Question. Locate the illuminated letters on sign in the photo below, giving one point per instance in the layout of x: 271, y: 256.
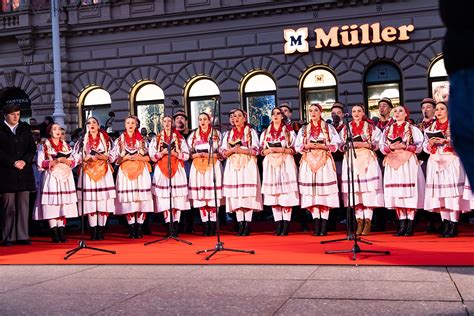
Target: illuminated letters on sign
x: 346, y: 35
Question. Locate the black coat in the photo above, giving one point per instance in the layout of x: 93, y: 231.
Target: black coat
x: 12, y: 148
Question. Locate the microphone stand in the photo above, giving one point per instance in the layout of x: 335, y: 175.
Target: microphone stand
x: 351, y: 220
x: 350, y: 217
x: 219, y: 245
x: 82, y: 241
x: 172, y: 232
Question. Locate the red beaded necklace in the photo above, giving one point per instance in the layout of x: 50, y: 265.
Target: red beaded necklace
x: 94, y: 142
x: 275, y: 133
x: 442, y: 126
x: 204, y: 135
x: 315, y: 129
x: 357, y: 129
x: 238, y: 134
x: 130, y: 141
x: 399, y: 130
x: 59, y: 147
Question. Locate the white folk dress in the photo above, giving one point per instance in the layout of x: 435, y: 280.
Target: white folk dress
x: 179, y: 181
x: 404, y: 183
x: 58, y: 195
x: 242, y: 188
x: 368, y: 185
x: 201, y: 184
x: 99, y: 193
x: 280, y: 175
x: 133, y: 183
x: 445, y: 176
x: 317, y: 174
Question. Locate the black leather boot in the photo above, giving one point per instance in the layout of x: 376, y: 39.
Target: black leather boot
x: 246, y: 231
x: 100, y: 233
x: 146, y: 226
x: 241, y: 228
x: 317, y: 227
x: 409, y: 230
x: 402, y: 227
x: 453, y: 229
x: 138, y: 231
x: 212, y: 229
x: 205, y: 231
x: 94, y: 233
x: 324, y: 227
x: 445, y: 228
x: 62, y: 238
x: 278, y: 228
x: 431, y: 228
x: 131, y: 231
x: 55, y: 235
x: 284, y: 231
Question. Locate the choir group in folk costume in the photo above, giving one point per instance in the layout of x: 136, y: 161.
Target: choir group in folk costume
x: 396, y: 182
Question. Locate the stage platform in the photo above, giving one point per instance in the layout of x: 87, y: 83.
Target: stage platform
x: 296, y: 248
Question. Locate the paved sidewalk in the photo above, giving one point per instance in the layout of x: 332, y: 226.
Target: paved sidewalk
x: 236, y: 290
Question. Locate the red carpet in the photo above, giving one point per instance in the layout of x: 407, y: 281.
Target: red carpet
x: 297, y: 248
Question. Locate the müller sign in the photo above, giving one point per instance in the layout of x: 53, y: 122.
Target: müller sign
x: 346, y: 35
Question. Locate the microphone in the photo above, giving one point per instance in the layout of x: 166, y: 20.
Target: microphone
x: 328, y: 121
x: 375, y: 119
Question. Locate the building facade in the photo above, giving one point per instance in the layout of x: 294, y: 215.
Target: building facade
x: 152, y: 57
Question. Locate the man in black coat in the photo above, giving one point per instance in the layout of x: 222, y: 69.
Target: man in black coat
x: 17, y: 149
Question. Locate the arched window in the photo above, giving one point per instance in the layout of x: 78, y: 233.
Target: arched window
x: 259, y: 96
x: 16, y: 95
x: 382, y: 80
x: 201, y: 96
x: 438, y: 81
x: 149, y: 104
x: 318, y: 86
x: 97, y: 103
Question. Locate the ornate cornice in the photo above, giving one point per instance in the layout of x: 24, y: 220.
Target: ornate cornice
x: 203, y: 16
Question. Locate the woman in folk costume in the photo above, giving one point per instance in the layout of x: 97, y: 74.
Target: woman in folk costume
x: 368, y: 187
x: 317, y: 174
x: 241, y: 176
x: 170, y: 138
x: 201, y: 184
x: 404, y: 183
x: 280, y: 183
x: 445, y: 176
x: 133, y: 181
x: 58, y: 197
x: 92, y: 151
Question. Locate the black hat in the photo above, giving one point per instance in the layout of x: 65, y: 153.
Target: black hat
x: 286, y: 105
x: 428, y: 100
x: 180, y: 113
x: 387, y: 100
x: 337, y: 105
